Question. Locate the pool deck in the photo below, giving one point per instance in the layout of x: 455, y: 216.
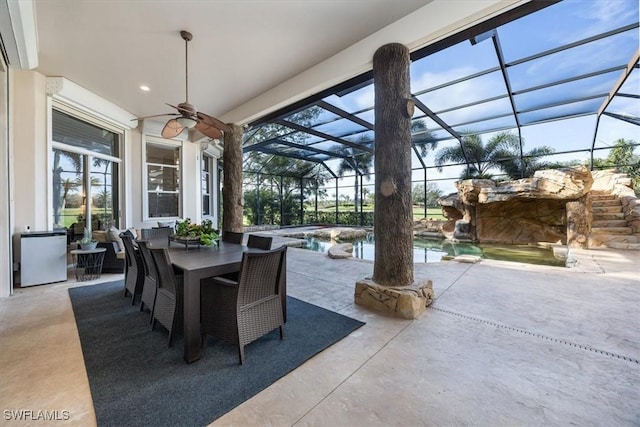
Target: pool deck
x: 503, y: 344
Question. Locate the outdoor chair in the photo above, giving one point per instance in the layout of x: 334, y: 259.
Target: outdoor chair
x: 157, y: 236
x: 168, y: 305
x: 232, y: 237
x: 259, y: 242
x: 150, y: 286
x: 134, y: 271
x: 242, y: 311
x: 264, y: 242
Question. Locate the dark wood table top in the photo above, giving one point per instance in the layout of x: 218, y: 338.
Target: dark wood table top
x: 205, y: 257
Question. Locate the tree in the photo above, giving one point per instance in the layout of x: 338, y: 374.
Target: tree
x: 357, y: 161
x: 275, y: 185
x: 422, y: 138
x: 68, y: 186
x: 59, y: 192
x: 345, y: 198
x: 102, y: 200
x: 516, y: 167
x: 623, y: 158
x: 501, y: 152
x: 367, y: 196
x: 471, y: 151
x: 271, y: 131
x: 433, y: 193
x: 362, y: 161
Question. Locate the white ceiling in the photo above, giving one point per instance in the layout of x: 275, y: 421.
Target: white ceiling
x: 240, y: 50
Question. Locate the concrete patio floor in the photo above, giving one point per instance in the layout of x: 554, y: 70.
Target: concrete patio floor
x: 503, y: 344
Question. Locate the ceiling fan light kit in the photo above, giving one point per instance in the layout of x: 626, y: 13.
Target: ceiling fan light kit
x: 186, y: 122
x: 187, y: 116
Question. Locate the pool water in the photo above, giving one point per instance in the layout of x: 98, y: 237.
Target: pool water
x: 425, y: 250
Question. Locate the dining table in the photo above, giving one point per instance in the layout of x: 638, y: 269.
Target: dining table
x: 202, y: 262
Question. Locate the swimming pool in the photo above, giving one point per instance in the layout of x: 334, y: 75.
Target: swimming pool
x: 426, y: 250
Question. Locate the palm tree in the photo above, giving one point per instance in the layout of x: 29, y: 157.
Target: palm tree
x: 422, y: 137
x: 360, y: 162
x: 480, y: 157
x: 526, y: 166
x: 68, y: 186
x: 60, y: 186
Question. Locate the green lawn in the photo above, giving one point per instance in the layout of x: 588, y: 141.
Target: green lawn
x: 418, y: 211
x: 70, y: 216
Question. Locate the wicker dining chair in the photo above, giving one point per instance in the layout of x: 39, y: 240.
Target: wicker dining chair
x: 243, y: 311
x: 134, y: 272
x: 168, y: 306
x: 157, y: 236
x: 259, y: 242
x: 232, y: 237
x: 264, y: 242
x: 150, y: 286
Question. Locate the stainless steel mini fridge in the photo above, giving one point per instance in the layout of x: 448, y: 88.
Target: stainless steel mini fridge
x: 41, y: 257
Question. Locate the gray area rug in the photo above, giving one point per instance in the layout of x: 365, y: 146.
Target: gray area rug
x: 136, y: 380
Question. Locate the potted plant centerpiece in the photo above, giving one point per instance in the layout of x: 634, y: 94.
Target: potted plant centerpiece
x: 87, y: 242
x: 199, y: 234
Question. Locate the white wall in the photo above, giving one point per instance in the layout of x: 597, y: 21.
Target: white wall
x: 6, y: 214
x: 31, y: 147
x: 30, y: 151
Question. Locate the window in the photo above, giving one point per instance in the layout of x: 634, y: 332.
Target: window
x: 163, y: 178
x: 85, y: 159
x: 207, y: 185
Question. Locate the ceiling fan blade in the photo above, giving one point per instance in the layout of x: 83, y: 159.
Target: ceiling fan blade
x: 172, y: 106
x: 212, y: 121
x: 210, y: 131
x: 155, y: 115
x: 172, y: 129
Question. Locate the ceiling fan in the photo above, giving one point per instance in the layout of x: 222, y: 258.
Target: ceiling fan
x: 187, y: 115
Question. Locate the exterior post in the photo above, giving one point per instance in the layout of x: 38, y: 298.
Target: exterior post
x: 392, y: 287
x: 393, y: 230
x: 258, y: 208
x: 301, y: 200
x: 281, y: 202
x: 424, y: 169
x: 232, y: 209
x: 316, y: 211
x: 336, y: 200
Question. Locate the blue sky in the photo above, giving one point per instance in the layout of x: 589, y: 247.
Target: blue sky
x: 566, y: 22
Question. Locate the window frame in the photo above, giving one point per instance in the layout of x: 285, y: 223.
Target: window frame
x: 88, y: 156
x: 211, y: 176
x: 150, y: 139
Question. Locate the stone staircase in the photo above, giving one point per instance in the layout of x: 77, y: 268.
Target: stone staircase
x: 609, y: 228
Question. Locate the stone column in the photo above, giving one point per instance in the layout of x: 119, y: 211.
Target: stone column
x: 392, y: 287
x: 232, y: 209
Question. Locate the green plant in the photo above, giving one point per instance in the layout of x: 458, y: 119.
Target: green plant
x: 204, y: 230
x: 87, y: 237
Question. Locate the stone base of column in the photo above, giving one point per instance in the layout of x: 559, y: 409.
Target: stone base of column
x: 407, y: 302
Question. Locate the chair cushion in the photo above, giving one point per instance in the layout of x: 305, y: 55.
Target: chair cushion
x: 134, y: 232
x: 114, y: 236
x: 100, y: 236
x: 170, y: 224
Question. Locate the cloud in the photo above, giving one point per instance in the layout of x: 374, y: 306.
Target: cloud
x: 598, y: 16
